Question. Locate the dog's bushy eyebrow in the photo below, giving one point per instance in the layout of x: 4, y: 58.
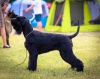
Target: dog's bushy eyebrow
x: 18, y: 18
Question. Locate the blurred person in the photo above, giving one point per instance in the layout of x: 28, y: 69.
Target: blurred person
x: 37, y: 7
x: 96, y: 20
x: 3, y: 6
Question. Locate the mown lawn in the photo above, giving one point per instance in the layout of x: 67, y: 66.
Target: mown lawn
x: 86, y: 47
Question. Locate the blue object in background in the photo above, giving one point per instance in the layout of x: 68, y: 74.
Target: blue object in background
x: 43, y: 20
x: 19, y: 6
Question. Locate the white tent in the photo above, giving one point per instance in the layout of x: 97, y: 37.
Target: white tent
x: 19, y: 6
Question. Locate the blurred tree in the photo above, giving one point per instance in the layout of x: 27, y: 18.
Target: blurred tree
x: 49, y: 1
x: 45, y: 0
x: 11, y: 1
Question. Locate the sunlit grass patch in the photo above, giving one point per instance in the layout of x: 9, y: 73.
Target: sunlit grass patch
x: 86, y: 47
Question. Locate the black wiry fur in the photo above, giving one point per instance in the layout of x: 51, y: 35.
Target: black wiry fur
x: 38, y: 42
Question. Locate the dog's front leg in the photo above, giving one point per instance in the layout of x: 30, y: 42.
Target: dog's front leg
x: 33, y: 55
x: 32, y: 64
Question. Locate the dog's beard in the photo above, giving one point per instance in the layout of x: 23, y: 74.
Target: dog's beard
x: 18, y: 28
x: 16, y: 25
x: 19, y: 31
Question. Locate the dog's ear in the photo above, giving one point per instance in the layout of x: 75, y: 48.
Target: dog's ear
x: 8, y: 11
x: 12, y: 10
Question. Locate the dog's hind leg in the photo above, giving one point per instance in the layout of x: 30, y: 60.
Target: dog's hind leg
x: 68, y: 56
x: 33, y: 55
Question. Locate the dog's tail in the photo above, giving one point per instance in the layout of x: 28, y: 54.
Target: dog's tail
x: 72, y: 36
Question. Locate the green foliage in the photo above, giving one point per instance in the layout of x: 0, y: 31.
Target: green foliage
x: 86, y: 47
x: 49, y: 1
x: 11, y: 1
x: 45, y: 0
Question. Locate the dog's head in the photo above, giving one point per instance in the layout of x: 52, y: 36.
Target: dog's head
x: 19, y: 23
x: 11, y: 14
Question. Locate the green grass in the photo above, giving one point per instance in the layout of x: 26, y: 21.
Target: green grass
x: 86, y: 47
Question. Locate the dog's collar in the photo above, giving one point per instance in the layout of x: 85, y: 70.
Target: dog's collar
x: 29, y: 34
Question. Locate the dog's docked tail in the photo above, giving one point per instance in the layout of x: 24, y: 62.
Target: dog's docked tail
x: 72, y: 36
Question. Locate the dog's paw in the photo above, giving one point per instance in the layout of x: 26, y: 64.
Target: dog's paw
x: 79, y: 69
x: 30, y: 69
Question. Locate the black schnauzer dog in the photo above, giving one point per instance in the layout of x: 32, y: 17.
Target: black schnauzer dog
x: 38, y: 42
